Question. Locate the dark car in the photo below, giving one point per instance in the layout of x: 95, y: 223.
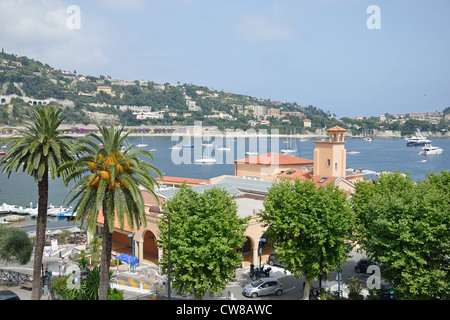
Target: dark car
x: 8, y: 295
x: 273, y: 260
x: 362, y: 265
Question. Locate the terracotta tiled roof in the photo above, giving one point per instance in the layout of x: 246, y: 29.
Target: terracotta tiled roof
x: 275, y: 158
x: 337, y: 128
x: 323, y: 180
x: 295, y: 174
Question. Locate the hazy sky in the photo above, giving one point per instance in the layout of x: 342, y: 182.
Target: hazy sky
x: 313, y: 52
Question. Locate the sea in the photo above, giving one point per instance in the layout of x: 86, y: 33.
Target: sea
x: 383, y: 154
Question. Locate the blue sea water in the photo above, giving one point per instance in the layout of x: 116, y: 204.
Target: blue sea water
x: 378, y: 155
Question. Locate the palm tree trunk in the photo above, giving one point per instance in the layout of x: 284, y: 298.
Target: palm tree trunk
x: 106, y: 258
x: 41, y: 226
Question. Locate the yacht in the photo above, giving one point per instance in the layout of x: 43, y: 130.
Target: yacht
x: 288, y: 150
x: 429, y: 149
x: 8, y: 208
x: 223, y: 148
x: 205, y: 160
x: 418, y: 140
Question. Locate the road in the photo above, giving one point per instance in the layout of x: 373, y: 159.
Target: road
x: 143, y: 281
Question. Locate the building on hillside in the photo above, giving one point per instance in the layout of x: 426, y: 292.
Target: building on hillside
x: 105, y: 89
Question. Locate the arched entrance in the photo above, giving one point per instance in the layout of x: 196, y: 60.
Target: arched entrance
x: 149, y: 247
x: 247, y: 252
x: 3, y: 100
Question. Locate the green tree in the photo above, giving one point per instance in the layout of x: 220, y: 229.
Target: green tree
x: 15, y: 245
x: 205, y: 232
x: 38, y: 149
x: 308, y: 226
x: 405, y: 226
x: 112, y: 188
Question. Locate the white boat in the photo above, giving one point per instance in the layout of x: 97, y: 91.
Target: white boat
x: 288, y: 150
x: 7, y: 208
x: 353, y: 152
x: 368, y: 139
x: 417, y: 141
x: 58, y: 212
x: 429, y: 149
x: 207, y: 144
x: 289, y: 147
x: 251, y: 153
x: 152, y: 150
x: 223, y: 148
x: 175, y: 148
x: 141, y: 145
x: 205, y: 160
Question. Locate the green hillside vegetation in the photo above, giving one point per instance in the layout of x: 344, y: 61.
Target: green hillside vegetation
x: 26, y: 77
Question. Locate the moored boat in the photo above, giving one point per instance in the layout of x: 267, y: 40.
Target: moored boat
x: 429, y: 149
x: 417, y: 141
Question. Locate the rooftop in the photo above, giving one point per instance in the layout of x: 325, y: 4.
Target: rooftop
x: 275, y: 158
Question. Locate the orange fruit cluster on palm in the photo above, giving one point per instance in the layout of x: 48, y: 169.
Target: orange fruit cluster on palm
x: 104, y: 165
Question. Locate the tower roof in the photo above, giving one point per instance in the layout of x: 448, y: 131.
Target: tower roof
x: 337, y: 129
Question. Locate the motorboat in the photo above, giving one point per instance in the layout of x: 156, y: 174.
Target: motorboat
x: 141, y: 145
x: 368, y: 139
x: 58, y: 212
x: 207, y: 144
x: 417, y: 141
x: 7, y: 208
x: 205, y: 160
x: 251, y: 153
x: 288, y: 150
x: 429, y: 149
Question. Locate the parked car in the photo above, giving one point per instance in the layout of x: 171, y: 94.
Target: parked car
x: 263, y: 287
x: 362, y: 265
x: 273, y: 260
x: 8, y: 295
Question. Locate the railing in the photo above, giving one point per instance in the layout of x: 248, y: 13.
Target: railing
x: 14, y: 277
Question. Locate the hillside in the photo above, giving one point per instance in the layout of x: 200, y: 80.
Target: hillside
x: 89, y: 99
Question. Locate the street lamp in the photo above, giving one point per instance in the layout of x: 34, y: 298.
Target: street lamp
x: 261, y: 240
x: 157, y: 209
x: 131, y: 235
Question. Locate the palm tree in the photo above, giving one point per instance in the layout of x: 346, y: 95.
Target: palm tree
x: 39, y: 149
x: 109, y: 180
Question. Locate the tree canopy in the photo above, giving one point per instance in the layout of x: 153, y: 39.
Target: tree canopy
x: 205, y: 232
x: 308, y: 227
x: 404, y: 226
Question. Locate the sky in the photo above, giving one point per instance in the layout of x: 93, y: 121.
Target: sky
x: 341, y: 56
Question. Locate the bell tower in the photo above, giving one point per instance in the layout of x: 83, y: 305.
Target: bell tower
x: 330, y: 157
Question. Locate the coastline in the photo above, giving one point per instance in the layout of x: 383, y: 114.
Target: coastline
x: 194, y: 131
